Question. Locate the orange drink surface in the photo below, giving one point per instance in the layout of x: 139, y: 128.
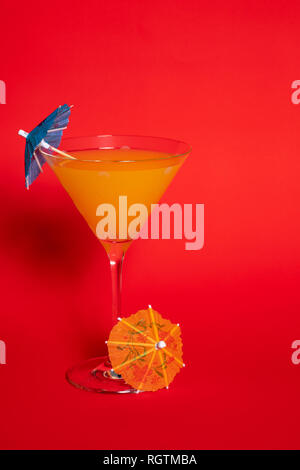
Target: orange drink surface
x: 100, y: 176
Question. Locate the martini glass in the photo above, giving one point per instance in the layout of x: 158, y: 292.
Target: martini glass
x: 103, y: 169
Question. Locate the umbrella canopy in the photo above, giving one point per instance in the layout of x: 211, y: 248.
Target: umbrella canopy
x: 146, y: 349
x: 49, y: 131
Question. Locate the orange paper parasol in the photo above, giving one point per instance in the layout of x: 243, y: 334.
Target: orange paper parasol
x: 146, y: 350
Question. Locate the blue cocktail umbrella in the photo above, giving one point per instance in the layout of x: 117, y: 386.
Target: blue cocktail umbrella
x: 47, y: 134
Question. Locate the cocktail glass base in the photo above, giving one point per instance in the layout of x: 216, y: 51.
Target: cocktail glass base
x: 94, y: 375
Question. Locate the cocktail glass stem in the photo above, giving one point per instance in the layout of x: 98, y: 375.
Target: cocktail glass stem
x: 116, y: 256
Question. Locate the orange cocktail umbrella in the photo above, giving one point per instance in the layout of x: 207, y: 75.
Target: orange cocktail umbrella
x: 146, y: 349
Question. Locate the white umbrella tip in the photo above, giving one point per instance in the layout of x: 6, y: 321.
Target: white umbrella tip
x: 149, y: 306
x: 183, y: 365
x: 119, y: 318
x: 23, y: 133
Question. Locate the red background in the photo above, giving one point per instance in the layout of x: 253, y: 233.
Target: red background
x: 217, y: 75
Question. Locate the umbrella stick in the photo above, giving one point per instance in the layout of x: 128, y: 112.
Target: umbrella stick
x: 38, y: 162
x: 133, y: 360
x: 174, y: 357
x: 64, y: 154
x: 163, y: 369
x: 135, y: 329
x: 128, y: 343
x: 153, y: 322
x: 47, y: 146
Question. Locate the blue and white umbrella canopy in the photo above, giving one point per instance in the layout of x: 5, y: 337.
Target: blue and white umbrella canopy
x: 47, y: 134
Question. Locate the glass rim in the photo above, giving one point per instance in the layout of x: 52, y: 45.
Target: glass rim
x: 184, y: 153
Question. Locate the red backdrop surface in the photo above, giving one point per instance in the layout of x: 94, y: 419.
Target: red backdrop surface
x: 217, y: 75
